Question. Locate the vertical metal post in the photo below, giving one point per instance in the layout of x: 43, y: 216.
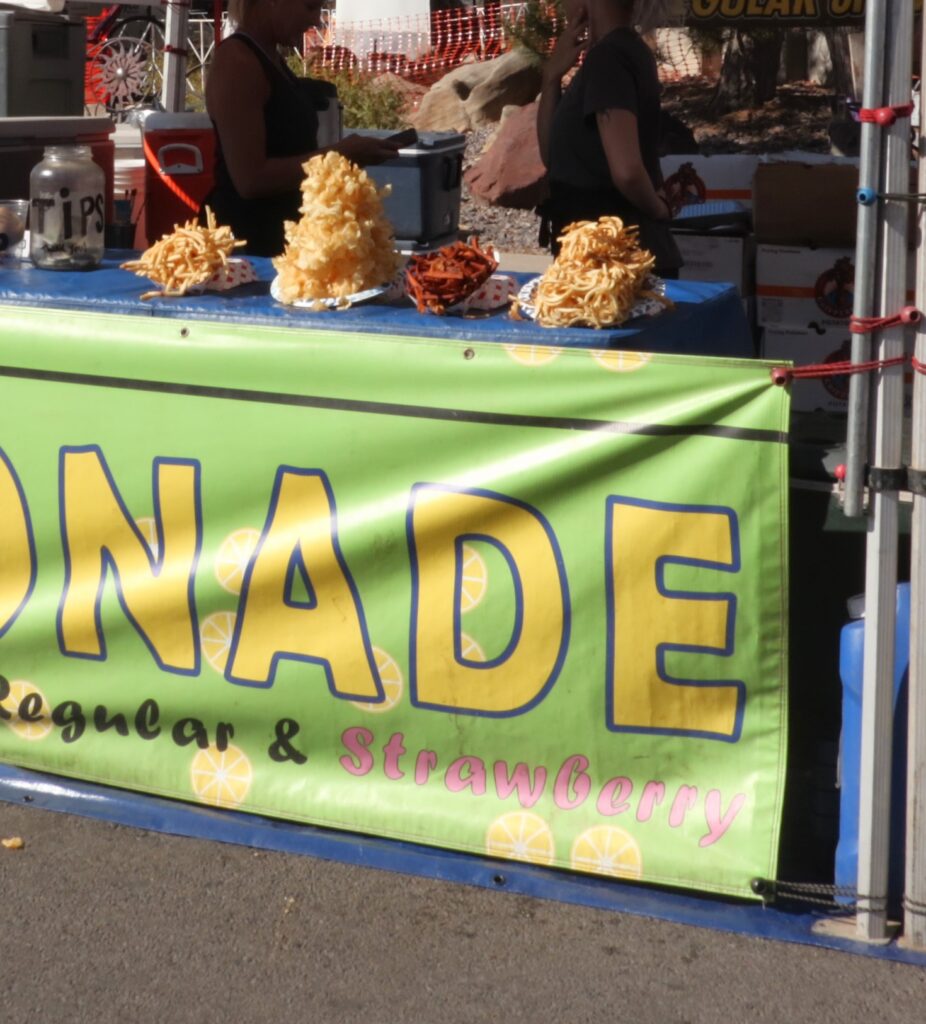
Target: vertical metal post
x: 176, y: 22
x: 866, y: 255
x: 915, y: 881
x: 881, y: 560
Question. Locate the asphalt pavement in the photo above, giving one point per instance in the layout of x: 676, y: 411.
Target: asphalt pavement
x: 103, y: 923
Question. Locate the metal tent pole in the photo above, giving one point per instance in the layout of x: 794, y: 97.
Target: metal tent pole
x: 881, y: 558
x: 866, y: 255
x: 915, y: 881
x: 176, y: 22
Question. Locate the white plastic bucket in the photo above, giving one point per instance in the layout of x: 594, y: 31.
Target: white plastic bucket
x: 129, y: 183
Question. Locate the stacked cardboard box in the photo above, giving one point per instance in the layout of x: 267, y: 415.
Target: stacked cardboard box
x: 723, y: 254
x: 805, y: 214
x: 706, y: 178
x: 796, y: 274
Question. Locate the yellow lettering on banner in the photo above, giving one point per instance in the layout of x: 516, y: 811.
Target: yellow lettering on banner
x: 733, y: 9
x: 99, y: 534
x: 328, y: 628
x: 647, y: 620
x: 17, y: 547
x: 441, y: 677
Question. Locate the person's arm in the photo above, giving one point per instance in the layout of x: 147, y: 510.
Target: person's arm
x: 237, y: 91
x: 621, y: 142
x: 563, y: 58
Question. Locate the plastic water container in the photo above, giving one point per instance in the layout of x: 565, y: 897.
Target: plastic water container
x: 851, y: 662
x: 180, y: 161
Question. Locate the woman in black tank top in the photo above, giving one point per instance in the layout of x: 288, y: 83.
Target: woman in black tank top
x: 266, y: 123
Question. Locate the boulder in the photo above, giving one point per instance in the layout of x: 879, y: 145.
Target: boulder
x: 510, y: 172
x: 475, y: 94
x: 511, y: 80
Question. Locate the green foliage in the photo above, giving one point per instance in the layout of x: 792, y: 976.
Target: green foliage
x: 368, y: 102
x: 538, y: 27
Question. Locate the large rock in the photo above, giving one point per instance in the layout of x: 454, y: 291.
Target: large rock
x: 475, y: 94
x: 510, y: 172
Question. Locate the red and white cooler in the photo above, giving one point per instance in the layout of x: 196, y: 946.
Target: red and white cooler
x: 179, y: 167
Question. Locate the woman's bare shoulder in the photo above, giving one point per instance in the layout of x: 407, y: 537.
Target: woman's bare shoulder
x: 235, y: 56
x: 236, y: 71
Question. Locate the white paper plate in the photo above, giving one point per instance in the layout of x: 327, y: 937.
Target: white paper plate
x: 312, y: 304
x: 642, y: 307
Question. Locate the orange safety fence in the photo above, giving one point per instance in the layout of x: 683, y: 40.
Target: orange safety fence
x: 423, y: 48
x: 96, y: 37
x: 418, y: 48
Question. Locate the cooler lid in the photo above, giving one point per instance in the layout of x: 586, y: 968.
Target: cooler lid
x: 431, y: 142
x: 20, y: 128
x: 168, y: 122
x: 428, y: 142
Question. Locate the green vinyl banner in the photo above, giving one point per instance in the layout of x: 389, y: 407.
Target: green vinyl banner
x: 524, y: 602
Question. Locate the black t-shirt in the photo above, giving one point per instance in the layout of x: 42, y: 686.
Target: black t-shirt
x: 291, y: 126
x: 618, y: 73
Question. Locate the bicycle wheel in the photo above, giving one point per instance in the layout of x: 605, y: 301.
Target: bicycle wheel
x: 124, y: 74
x: 150, y: 30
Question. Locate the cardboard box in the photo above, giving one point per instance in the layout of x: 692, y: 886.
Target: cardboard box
x: 798, y: 286
x: 707, y: 178
x: 718, y: 258
x: 802, y: 156
x: 806, y: 347
x: 805, y: 204
x: 803, y: 347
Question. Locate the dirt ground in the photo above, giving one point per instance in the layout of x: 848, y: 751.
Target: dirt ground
x: 798, y: 118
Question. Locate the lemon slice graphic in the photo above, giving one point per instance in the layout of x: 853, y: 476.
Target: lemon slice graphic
x: 233, y: 556
x: 221, y: 777
x: 391, y: 677
x: 27, y: 730
x: 607, y: 850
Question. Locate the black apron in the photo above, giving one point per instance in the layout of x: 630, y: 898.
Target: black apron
x: 291, y: 125
x: 567, y: 204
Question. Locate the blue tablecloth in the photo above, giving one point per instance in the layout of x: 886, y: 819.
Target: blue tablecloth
x: 708, y: 319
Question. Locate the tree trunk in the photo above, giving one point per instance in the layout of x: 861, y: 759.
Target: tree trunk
x: 749, y: 74
x: 838, y: 41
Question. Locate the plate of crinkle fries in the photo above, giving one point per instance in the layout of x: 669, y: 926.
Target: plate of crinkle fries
x: 341, y: 251
x: 193, y: 258
x: 651, y: 302
x: 601, y: 278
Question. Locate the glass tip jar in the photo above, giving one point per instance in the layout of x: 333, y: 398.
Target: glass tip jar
x: 66, y: 195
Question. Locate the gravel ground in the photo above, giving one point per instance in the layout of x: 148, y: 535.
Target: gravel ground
x: 510, y: 231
